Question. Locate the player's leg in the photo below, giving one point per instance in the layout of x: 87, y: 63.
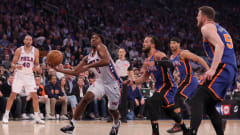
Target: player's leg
x: 214, y: 116
x: 197, y: 106
x: 36, y: 108
x: 113, y: 92
x: 94, y: 91
x: 8, y: 107
x: 152, y: 105
x: 16, y: 88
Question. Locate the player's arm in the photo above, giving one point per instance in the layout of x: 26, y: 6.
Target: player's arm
x: 36, y: 61
x: 209, y: 32
x: 144, y: 76
x: 78, y: 69
x: 160, y: 59
x: 15, y: 59
x: 103, y: 54
x: 188, y: 55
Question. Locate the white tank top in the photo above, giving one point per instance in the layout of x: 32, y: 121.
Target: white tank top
x: 106, y: 74
x: 26, y: 60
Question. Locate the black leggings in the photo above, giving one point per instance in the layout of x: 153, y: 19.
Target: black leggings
x: 202, y: 100
x: 153, y: 104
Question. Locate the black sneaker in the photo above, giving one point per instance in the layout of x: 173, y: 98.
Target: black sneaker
x: 176, y: 128
x: 68, y: 129
x: 114, y: 130
x: 224, y: 122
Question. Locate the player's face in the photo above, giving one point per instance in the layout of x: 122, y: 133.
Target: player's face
x: 147, y: 44
x: 121, y: 53
x: 28, y: 41
x: 174, y: 46
x: 199, y: 19
x: 95, y: 40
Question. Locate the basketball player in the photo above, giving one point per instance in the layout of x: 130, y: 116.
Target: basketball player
x: 218, y: 45
x: 25, y: 62
x: 124, y: 71
x: 107, y: 82
x: 157, y: 66
x: 188, y: 84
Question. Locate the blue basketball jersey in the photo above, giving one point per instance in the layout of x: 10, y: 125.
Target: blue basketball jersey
x: 228, y: 54
x: 161, y: 75
x: 184, y: 67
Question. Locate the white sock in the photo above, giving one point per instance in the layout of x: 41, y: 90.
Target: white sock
x: 74, y: 122
x: 7, y: 112
x: 36, y: 115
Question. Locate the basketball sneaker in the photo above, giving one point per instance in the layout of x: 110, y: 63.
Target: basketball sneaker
x: 5, y: 118
x: 68, y: 129
x: 114, y: 130
x: 176, y: 128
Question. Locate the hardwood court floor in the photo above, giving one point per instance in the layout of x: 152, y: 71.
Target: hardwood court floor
x: 103, y: 128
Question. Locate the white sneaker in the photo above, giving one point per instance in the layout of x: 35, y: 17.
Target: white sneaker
x: 39, y: 121
x: 25, y: 117
x: 31, y: 116
x: 63, y: 117
x: 5, y: 119
x: 50, y: 117
x: 41, y: 116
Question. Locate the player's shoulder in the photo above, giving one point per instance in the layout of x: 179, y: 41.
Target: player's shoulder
x: 208, y: 27
x: 159, y: 54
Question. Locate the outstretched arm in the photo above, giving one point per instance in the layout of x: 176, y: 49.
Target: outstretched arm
x: 188, y: 55
x: 78, y: 69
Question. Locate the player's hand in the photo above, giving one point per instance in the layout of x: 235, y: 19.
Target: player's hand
x: 209, y: 74
x: 28, y: 98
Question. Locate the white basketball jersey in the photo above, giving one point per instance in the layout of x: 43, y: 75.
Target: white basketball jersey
x: 106, y: 74
x: 27, y: 61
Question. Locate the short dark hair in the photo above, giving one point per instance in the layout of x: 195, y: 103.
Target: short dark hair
x: 155, y: 40
x: 99, y: 35
x: 208, y: 11
x: 176, y: 39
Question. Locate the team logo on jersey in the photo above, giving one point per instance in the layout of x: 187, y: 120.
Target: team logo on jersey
x: 26, y: 58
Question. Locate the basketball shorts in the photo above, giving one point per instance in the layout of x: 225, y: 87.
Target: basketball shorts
x: 24, y: 81
x: 223, y: 79
x: 111, y: 90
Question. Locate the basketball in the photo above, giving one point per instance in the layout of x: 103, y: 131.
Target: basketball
x: 54, y: 58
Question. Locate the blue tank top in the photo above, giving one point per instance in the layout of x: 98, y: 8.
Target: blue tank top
x: 184, y: 67
x: 161, y: 74
x: 228, y: 54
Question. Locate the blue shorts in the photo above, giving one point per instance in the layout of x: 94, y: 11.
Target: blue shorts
x: 223, y: 79
x: 165, y: 94
x: 188, y: 87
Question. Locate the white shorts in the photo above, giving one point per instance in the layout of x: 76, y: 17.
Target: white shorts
x: 24, y: 81
x: 112, y: 91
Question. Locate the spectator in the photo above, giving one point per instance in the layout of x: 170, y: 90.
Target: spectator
x: 4, y: 41
x: 135, y: 99
x: 70, y: 97
x: 56, y: 96
x: 6, y: 62
x: 43, y: 97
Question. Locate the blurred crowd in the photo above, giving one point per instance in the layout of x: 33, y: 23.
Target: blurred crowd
x: 66, y: 25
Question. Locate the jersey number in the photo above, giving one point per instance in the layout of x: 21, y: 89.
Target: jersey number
x: 26, y: 64
x: 228, y: 39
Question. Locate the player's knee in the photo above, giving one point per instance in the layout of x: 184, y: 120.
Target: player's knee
x: 13, y: 95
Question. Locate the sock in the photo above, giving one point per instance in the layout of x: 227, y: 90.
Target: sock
x: 155, y: 129
x: 7, y: 112
x: 73, y: 122
x: 116, y: 125
x: 36, y: 115
x: 183, y: 126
